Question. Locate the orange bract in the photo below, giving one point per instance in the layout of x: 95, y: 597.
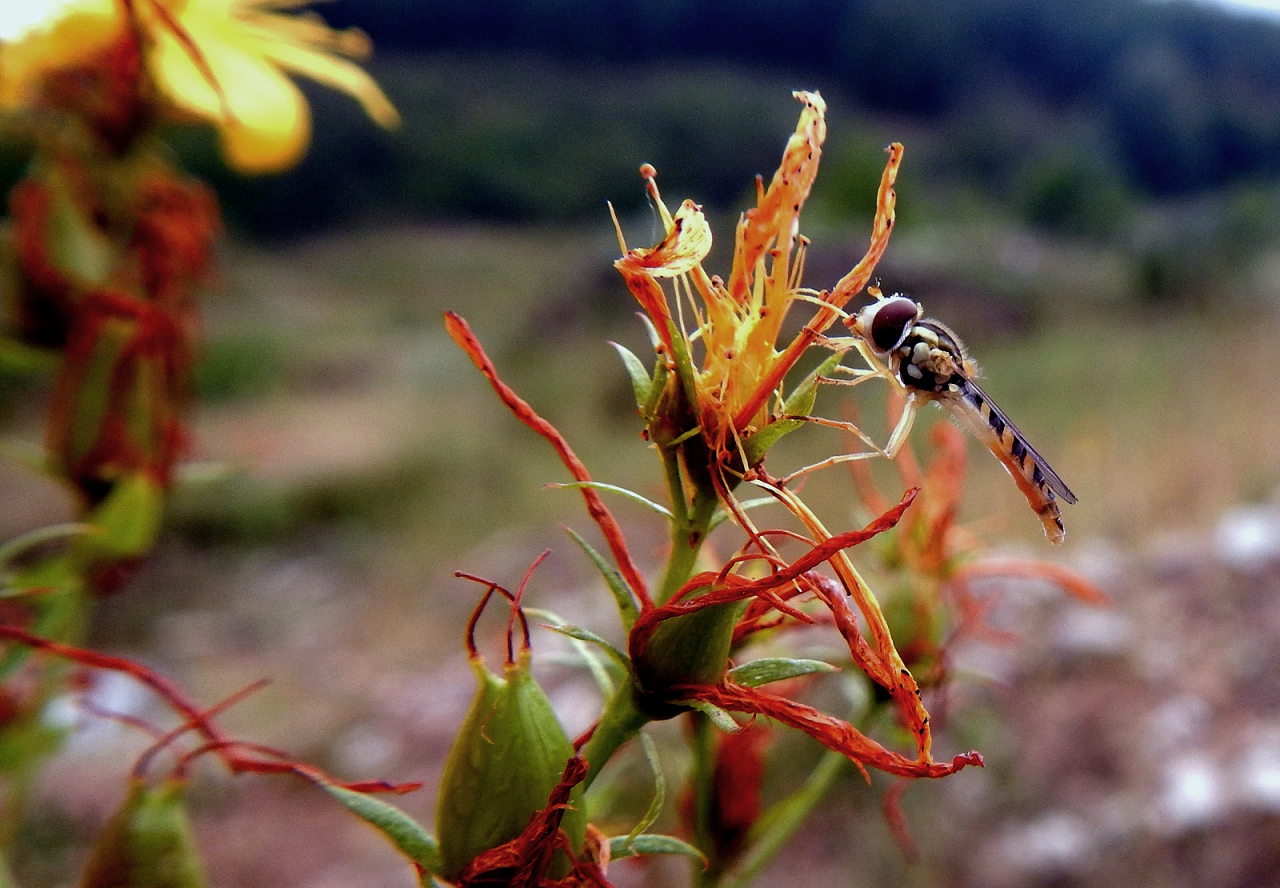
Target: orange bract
x: 738, y: 324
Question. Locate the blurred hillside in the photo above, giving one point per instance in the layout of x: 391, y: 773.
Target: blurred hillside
x: 1068, y: 115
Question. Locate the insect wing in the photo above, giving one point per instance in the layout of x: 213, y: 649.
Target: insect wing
x: 993, y: 420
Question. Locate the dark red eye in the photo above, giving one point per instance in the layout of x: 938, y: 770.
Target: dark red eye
x: 891, y: 320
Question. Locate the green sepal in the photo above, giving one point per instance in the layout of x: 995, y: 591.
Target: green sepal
x: 507, y: 757
x: 147, y: 843
x: 688, y: 650
x: 771, y: 669
x: 799, y: 403
x: 401, y: 830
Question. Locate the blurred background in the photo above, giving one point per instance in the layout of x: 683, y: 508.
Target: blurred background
x: 1090, y: 197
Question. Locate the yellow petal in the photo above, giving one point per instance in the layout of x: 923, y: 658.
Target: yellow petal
x: 268, y: 125
x: 340, y: 74
x: 687, y: 243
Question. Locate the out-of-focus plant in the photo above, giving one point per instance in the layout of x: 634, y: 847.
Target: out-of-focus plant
x: 109, y: 247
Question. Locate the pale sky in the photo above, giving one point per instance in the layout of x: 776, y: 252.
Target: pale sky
x: 1270, y: 7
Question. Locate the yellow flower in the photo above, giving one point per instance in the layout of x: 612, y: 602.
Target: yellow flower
x: 40, y: 37
x: 224, y: 61
x: 247, y: 45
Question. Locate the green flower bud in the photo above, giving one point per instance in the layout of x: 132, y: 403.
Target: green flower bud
x: 147, y: 843
x: 508, y: 756
x: 688, y: 650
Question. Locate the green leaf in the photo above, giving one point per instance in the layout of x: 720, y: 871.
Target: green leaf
x: 39, y: 536
x: 402, y: 830
x: 95, y: 388
x: 640, y: 379
x: 627, y: 846
x: 628, y: 609
x: 599, y: 671
x: 771, y: 832
x: 613, y: 488
x: 659, y: 789
x: 76, y: 245
x: 745, y: 505
x: 770, y: 669
x: 800, y: 402
x: 719, y: 717
x: 20, y: 358
x: 591, y: 638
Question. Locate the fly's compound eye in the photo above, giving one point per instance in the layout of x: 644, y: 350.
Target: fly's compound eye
x: 890, y: 322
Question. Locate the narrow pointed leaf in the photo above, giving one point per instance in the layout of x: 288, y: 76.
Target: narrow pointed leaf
x: 770, y: 669
x: 613, y: 488
x: 799, y: 403
x: 400, y: 829
x: 640, y: 379
x: 591, y: 638
x: 39, y: 536
x: 628, y: 610
x: 623, y: 846
x: 719, y: 717
x: 659, y: 789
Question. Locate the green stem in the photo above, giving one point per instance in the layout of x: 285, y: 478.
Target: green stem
x: 702, y: 778
x: 622, y: 720
x: 687, y: 537
x: 772, y: 832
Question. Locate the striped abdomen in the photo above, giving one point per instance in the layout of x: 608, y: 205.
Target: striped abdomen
x: 1038, y: 482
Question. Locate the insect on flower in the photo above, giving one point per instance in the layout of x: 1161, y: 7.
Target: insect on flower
x: 929, y: 361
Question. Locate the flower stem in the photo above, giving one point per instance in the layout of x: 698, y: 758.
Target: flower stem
x: 622, y: 719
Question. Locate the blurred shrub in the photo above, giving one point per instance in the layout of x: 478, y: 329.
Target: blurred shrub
x: 1073, y: 192
x: 237, y: 367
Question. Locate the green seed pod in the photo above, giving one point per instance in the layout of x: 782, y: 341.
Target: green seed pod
x: 147, y: 843
x: 508, y: 756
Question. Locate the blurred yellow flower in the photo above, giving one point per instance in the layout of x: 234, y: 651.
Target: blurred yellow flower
x: 224, y: 61
x: 247, y: 46
x: 43, y: 36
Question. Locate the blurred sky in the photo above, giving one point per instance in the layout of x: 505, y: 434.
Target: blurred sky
x: 1271, y: 7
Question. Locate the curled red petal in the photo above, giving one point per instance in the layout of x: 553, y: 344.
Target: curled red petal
x: 461, y: 333
x: 831, y: 732
x: 523, y: 861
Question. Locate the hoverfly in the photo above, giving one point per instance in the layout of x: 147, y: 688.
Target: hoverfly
x: 930, y: 363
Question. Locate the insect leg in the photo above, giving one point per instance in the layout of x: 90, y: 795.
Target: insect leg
x: 905, y: 422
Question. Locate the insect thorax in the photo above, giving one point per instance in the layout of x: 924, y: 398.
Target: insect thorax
x: 931, y: 358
